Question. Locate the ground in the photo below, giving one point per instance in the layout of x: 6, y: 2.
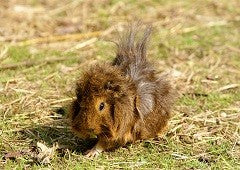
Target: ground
x: 45, y: 45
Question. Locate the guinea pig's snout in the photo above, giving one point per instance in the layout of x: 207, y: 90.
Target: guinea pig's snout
x: 91, y: 133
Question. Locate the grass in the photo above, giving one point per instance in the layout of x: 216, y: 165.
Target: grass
x: 199, y: 40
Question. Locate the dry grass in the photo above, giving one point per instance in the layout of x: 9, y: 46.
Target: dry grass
x: 44, y: 45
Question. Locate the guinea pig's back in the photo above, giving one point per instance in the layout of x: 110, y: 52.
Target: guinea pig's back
x: 154, y: 94
x: 154, y: 123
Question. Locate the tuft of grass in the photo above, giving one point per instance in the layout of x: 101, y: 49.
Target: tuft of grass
x: 18, y: 53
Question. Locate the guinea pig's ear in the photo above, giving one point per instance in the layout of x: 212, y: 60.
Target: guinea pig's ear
x: 144, y: 100
x: 114, y: 87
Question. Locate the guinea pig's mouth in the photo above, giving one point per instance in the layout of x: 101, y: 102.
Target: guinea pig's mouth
x: 84, y: 133
x: 92, y: 135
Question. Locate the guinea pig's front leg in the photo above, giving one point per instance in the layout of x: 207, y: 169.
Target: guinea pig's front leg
x: 101, y: 145
x: 95, y: 151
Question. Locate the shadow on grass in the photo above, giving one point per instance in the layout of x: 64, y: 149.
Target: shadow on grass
x: 57, y: 132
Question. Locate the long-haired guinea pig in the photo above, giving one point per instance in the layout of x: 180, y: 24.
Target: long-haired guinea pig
x: 122, y: 101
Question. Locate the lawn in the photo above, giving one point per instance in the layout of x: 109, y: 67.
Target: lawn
x: 45, y: 45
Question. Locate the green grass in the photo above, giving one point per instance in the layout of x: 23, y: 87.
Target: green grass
x: 204, y: 131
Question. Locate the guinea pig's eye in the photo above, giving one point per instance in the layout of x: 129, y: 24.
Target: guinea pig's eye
x: 101, y: 106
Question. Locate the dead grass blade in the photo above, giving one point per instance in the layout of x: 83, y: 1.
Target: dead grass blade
x: 227, y: 87
x: 210, y: 24
x: 3, y: 53
x: 32, y: 63
x: 233, y: 49
x: 83, y: 44
x: 70, y: 37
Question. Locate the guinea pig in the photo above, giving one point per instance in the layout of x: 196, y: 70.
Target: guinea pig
x: 124, y: 100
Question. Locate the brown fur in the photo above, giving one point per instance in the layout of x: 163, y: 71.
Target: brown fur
x: 137, y: 102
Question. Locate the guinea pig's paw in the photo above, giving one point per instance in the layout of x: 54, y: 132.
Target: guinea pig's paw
x: 93, y: 153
